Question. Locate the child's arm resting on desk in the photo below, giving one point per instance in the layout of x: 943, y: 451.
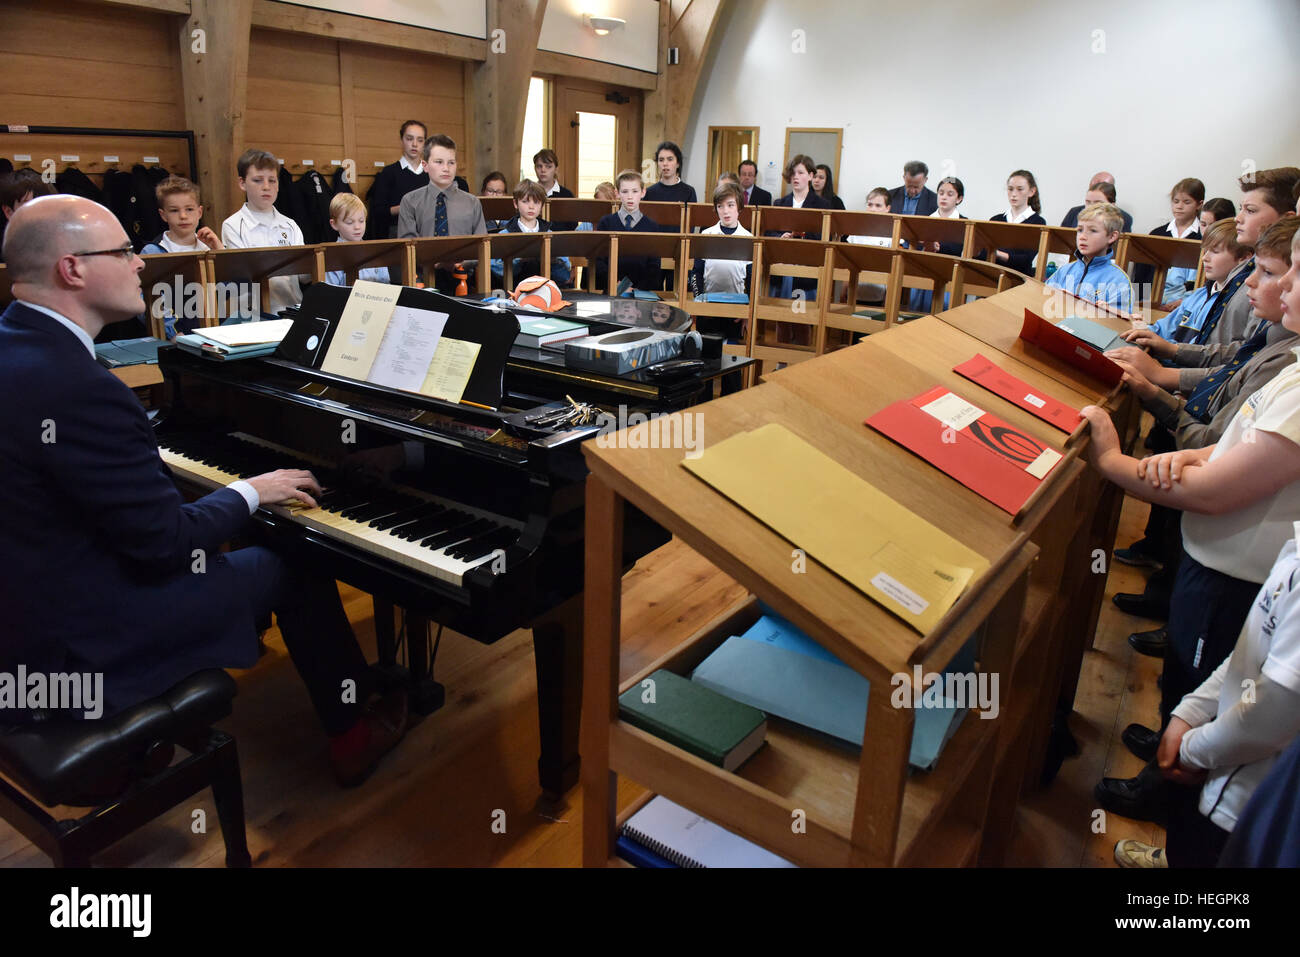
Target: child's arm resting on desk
x: 1245, y: 474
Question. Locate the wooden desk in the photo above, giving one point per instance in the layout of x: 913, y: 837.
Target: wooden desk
x: 1162, y: 253
x: 351, y: 258
x: 232, y: 270
x: 997, y: 320
x: 861, y: 808
x: 175, y: 284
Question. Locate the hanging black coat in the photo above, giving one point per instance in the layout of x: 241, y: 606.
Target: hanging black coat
x: 315, y: 192
x: 74, y: 182
x: 119, y: 196
x: 341, y: 184
x: 289, y: 201
x: 143, y: 184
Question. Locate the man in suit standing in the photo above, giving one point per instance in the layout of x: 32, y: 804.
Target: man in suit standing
x: 913, y: 198
x: 1071, y: 219
x: 107, y: 569
x: 754, y: 195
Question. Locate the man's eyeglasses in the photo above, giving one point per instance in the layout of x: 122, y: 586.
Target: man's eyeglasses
x: 127, y: 252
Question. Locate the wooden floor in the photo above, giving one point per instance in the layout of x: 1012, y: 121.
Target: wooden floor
x: 435, y: 799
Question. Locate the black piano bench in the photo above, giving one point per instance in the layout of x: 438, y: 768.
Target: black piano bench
x: 121, y: 768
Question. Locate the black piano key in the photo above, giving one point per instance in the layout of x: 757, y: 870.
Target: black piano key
x: 408, y: 516
x: 451, y: 532
x: 454, y: 535
x: 438, y: 522
x: 486, y: 545
x: 371, y: 510
x: 471, y: 545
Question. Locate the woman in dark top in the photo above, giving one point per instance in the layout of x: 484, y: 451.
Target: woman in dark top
x: 1024, y: 207
x: 823, y: 183
x: 670, y: 188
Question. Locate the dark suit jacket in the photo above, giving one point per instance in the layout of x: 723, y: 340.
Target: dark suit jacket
x: 1072, y: 218
x: 97, y: 546
x: 758, y: 196
x: 644, y: 271
x: 926, y: 203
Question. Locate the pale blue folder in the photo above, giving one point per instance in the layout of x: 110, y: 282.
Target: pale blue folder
x: 1094, y: 333
x: 779, y: 670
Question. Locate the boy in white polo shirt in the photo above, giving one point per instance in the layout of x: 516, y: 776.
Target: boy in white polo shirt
x: 1241, y: 497
x: 1229, y: 731
x: 259, y: 223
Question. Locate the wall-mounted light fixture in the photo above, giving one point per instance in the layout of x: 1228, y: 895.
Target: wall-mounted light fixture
x: 602, y: 26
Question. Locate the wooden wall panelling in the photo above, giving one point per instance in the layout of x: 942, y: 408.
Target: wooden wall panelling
x: 172, y: 154
x: 392, y: 86
x: 498, y: 87
x: 654, y: 109
x: 691, y: 33
x: 214, y: 83
x: 83, y: 64
x: 346, y: 27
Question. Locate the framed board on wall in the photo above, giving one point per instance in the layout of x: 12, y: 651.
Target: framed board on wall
x: 821, y: 143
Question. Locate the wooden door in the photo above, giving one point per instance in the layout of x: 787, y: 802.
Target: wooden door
x: 611, y: 139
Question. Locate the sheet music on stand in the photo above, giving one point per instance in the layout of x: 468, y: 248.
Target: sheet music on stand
x: 396, y: 337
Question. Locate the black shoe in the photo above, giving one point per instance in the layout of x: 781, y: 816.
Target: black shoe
x: 1152, y: 643
x: 1142, y: 606
x: 1142, y: 741
x: 1142, y: 798
x: 1137, y: 556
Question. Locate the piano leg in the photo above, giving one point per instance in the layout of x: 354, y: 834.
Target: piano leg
x: 427, y: 695
x: 557, y: 647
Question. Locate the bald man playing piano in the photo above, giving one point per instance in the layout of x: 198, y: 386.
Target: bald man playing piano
x: 107, y: 569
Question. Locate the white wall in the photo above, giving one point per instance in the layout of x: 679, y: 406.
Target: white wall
x: 980, y: 89
x: 635, y: 45
x: 466, y: 17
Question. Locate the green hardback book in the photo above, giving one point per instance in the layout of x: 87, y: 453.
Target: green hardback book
x: 695, y: 719
x: 537, y: 331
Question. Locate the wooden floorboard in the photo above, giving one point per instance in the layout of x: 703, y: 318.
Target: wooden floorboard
x: 472, y: 765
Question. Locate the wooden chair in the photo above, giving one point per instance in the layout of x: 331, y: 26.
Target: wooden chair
x: 564, y: 211
x: 1161, y: 253
x: 789, y: 330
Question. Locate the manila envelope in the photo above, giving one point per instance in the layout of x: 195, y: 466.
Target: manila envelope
x: 906, y: 565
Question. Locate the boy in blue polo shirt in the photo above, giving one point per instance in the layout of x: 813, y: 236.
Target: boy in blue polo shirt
x: 1094, y: 275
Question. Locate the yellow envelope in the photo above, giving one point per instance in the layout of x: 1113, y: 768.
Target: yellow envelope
x: 898, y: 559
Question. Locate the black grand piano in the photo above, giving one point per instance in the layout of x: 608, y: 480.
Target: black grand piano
x: 468, y: 515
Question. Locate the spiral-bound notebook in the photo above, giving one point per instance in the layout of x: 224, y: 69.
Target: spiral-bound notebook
x: 689, y: 840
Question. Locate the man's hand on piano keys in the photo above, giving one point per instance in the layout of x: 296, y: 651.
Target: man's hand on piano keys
x: 285, y: 486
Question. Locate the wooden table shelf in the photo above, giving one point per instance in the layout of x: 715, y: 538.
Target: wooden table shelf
x: 1030, y: 609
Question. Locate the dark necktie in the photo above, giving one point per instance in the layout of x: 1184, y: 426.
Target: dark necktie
x: 440, y: 216
x: 1199, y: 403
x: 1225, y: 296
x: 628, y: 222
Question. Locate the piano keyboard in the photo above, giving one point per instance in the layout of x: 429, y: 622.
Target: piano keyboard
x: 437, y: 538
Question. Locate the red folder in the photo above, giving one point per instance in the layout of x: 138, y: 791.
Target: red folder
x: 986, y: 455
x: 997, y: 380
x: 1068, y: 349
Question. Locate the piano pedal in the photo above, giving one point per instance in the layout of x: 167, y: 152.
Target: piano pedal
x: 427, y: 696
